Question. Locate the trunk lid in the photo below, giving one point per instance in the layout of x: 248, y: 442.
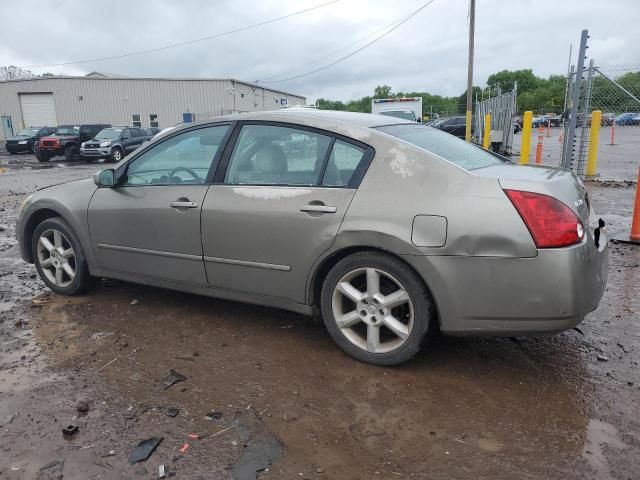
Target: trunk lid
x: 553, y: 181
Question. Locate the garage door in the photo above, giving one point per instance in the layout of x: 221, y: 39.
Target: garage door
x: 38, y: 109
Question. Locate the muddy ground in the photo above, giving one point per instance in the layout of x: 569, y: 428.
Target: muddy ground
x: 566, y: 406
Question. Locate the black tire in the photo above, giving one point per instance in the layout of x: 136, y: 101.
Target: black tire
x: 116, y: 155
x: 82, y: 281
x: 12, y: 152
x: 423, y: 307
x: 71, y: 153
x: 41, y: 156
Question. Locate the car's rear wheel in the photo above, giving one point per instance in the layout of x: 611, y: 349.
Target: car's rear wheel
x: 71, y: 153
x: 116, y: 154
x: 59, y: 258
x: 376, y: 308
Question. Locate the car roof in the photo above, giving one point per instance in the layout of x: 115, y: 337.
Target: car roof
x: 295, y: 114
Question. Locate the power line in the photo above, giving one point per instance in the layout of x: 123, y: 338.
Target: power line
x: 407, y: 18
x: 330, y: 54
x: 181, y: 44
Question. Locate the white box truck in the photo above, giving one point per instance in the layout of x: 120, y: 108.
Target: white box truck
x: 406, y: 108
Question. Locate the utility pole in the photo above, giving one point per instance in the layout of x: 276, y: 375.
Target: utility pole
x: 472, y: 22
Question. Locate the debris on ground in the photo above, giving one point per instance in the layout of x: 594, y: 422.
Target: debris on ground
x: 161, y: 471
x: 172, y: 412
x: 258, y: 456
x: 602, y: 358
x: 134, y: 302
x: 171, y: 379
x: 39, y: 302
x: 70, y: 430
x: 99, y: 335
x: 144, y: 449
x: 50, y: 465
x: 194, y: 436
x: 213, y: 415
x: 83, y: 406
x: 105, y: 366
x: 578, y: 330
x: 184, y: 448
x: 187, y: 359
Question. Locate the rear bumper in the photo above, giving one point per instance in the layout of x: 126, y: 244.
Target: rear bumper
x: 545, y: 294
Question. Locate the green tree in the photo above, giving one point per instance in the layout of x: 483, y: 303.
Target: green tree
x: 506, y: 79
x: 382, y: 91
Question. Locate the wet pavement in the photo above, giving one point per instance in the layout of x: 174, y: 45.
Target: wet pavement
x: 267, y: 389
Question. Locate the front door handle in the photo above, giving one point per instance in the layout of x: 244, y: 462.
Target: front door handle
x: 184, y: 204
x: 318, y: 208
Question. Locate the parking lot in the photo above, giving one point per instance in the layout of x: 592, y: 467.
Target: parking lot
x: 286, y: 398
x: 615, y: 162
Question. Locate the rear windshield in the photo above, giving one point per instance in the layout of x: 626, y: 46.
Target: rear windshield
x: 463, y: 154
x: 406, y: 115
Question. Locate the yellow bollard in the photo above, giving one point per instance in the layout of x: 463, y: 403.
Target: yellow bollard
x: 594, y: 136
x: 486, y: 140
x: 525, y: 147
x: 467, y: 127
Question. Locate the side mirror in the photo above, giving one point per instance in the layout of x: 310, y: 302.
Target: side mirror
x: 105, y: 178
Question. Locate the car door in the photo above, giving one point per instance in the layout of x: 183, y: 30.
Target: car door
x: 276, y: 205
x: 149, y: 224
x: 126, y: 139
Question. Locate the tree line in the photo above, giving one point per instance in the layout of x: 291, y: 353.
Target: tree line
x: 540, y: 95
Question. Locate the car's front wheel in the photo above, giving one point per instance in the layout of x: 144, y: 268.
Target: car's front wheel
x: 59, y: 258
x: 116, y: 155
x: 71, y: 153
x: 376, y: 308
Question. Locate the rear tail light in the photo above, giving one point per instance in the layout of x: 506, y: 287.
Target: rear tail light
x: 551, y: 223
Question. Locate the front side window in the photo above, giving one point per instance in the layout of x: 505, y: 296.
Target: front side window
x: 153, y: 120
x: 183, y: 159
x: 67, y: 130
x: 135, y: 120
x: 274, y: 155
x: 447, y: 146
x: 27, y: 132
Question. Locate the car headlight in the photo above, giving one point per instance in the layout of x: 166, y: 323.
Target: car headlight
x: 82, y: 145
x: 22, y: 142
x: 105, y: 144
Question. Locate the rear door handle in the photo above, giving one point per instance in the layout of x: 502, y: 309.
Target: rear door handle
x: 184, y: 204
x: 318, y: 208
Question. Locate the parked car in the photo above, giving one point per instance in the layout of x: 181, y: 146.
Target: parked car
x: 153, y: 131
x: 26, y: 138
x: 113, y: 143
x: 66, y: 141
x: 628, y: 119
x: 607, y: 119
x: 540, y: 121
x: 517, y: 127
x: 453, y: 125
x: 405, y: 230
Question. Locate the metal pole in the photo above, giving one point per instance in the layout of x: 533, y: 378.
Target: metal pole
x: 472, y: 22
x: 570, y: 140
x: 566, y: 86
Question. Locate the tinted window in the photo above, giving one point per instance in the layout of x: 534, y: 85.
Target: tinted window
x: 343, y: 162
x: 183, y: 159
x: 447, y: 146
x: 270, y: 155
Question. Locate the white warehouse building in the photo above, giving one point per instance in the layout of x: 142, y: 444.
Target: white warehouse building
x: 142, y: 102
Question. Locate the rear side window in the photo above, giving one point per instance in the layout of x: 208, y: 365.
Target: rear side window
x: 343, y: 162
x: 274, y: 155
x: 445, y: 145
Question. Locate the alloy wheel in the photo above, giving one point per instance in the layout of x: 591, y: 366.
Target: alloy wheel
x: 373, y: 310
x: 56, y: 258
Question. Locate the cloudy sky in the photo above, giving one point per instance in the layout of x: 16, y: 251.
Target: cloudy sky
x: 427, y: 53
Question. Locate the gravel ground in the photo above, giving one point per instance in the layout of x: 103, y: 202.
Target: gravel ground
x: 563, y: 406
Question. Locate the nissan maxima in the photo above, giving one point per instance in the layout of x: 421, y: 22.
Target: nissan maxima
x: 390, y: 230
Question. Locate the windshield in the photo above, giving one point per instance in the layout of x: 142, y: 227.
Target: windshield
x: 109, y: 134
x: 28, y: 132
x: 407, y: 115
x: 67, y: 130
x: 463, y: 154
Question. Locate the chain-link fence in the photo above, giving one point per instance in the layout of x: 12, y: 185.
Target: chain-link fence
x: 615, y: 92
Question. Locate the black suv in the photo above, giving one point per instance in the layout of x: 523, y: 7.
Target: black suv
x: 25, y: 139
x: 66, y: 141
x: 113, y: 143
